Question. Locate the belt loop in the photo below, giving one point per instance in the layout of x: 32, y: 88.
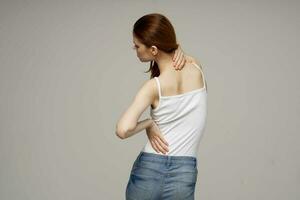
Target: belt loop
x: 169, y: 160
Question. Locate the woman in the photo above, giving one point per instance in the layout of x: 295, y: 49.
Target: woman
x: 166, y: 168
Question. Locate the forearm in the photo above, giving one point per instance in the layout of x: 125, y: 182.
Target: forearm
x: 141, y: 125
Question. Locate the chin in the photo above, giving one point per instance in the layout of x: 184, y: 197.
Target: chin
x: 141, y: 59
x: 144, y: 60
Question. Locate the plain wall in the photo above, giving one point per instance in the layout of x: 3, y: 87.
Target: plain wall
x: 68, y: 72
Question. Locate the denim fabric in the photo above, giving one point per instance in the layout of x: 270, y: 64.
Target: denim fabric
x: 162, y: 177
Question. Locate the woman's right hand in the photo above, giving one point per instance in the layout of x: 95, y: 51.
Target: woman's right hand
x: 156, y: 139
x: 180, y: 58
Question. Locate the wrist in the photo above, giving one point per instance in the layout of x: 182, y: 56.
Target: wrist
x: 150, y: 123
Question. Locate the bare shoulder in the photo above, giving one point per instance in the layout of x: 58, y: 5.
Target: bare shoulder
x: 191, y: 59
x: 149, y: 87
x: 195, y: 63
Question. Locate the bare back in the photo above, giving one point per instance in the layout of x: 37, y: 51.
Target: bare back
x: 190, y: 78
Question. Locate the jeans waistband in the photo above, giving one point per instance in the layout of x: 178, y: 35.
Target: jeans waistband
x: 165, y: 158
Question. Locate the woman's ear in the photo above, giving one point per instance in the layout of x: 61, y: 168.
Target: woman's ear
x: 154, y: 50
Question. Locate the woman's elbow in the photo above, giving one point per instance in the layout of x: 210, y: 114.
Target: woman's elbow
x: 121, y: 132
x: 123, y: 128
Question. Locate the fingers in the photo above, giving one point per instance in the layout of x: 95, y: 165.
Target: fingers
x: 163, y: 143
x: 182, y: 62
x: 160, y: 148
x: 162, y: 139
x: 157, y: 140
x: 154, y: 145
x: 179, y: 62
x: 176, y: 57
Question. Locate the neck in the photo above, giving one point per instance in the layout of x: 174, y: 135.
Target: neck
x: 165, y: 62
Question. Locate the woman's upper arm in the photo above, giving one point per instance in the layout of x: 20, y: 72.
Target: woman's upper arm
x: 144, y: 98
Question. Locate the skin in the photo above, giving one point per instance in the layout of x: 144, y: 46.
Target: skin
x: 128, y: 124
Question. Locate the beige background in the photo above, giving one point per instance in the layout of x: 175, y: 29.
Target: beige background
x: 68, y: 72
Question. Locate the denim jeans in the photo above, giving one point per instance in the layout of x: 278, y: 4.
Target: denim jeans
x: 162, y: 177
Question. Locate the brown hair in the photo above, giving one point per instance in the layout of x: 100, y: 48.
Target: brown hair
x: 155, y: 29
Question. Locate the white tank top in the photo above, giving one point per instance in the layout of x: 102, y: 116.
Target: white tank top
x: 181, y: 119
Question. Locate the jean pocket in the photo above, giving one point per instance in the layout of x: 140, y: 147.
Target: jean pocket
x: 187, y: 177
x: 138, y: 187
x: 185, y: 188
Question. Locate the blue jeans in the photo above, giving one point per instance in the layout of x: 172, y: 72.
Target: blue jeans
x: 162, y: 177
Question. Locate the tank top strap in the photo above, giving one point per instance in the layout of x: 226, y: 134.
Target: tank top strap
x: 158, y: 86
x: 204, y: 81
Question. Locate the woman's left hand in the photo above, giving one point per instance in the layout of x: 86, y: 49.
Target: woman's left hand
x: 179, y: 58
x: 156, y: 138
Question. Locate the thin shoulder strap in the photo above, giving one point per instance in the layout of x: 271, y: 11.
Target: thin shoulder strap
x: 204, y: 81
x: 158, y: 86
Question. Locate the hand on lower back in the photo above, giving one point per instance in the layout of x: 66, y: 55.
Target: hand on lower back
x: 156, y: 139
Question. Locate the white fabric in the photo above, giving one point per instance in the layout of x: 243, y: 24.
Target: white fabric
x: 181, y: 119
